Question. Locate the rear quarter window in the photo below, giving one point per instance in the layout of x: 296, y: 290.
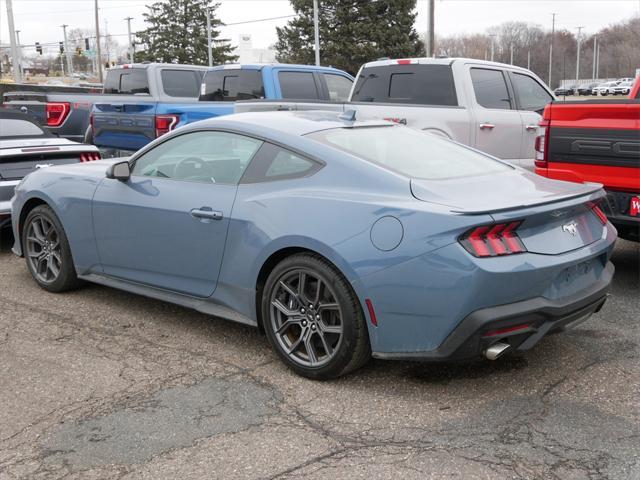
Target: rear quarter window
x: 408, y: 84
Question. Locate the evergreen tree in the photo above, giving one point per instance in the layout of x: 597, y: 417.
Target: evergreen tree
x: 177, y: 33
x: 352, y: 32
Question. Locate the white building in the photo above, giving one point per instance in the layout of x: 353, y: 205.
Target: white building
x: 248, y: 54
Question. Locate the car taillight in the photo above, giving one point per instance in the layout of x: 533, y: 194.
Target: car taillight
x: 56, y: 113
x: 165, y: 123
x: 542, y: 145
x: 493, y: 240
x: 89, y: 156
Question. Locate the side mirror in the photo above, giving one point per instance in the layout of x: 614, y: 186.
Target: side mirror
x: 119, y: 171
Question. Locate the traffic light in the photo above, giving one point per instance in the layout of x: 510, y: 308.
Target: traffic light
x: 38, y: 48
x: 61, y: 47
x: 86, y: 44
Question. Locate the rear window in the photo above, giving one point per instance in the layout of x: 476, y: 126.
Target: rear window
x: 298, y: 85
x: 232, y: 85
x: 411, y: 84
x: 13, y: 127
x: 410, y: 152
x: 181, y: 83
x: 127, y: 81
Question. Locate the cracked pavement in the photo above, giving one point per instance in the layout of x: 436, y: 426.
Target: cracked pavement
x: 102, y: 384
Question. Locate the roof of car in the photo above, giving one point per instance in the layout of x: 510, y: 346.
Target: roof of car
x: 288, y: 122
x: 259, y: 66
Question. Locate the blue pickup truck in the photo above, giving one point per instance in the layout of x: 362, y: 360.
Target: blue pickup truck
x: 133, y: 120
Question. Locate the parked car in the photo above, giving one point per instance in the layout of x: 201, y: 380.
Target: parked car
x: 25, y: 147
x: 129, y: 123
x: 341, y: 238
x: 603, y: 88
x: 597, y: 141
x: 69, y: 114
x: 623, y: 88
x: 490, y: 106
x: 565, y: 91
x: 586, y: 89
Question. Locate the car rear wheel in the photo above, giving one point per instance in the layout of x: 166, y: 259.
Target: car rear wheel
x: 47, y: 251
x: 313, y: 318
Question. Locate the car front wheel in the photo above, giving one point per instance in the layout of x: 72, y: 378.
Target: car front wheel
x: 313, y: 318
x: 47, y: 251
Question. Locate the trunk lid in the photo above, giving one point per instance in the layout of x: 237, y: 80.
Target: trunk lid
x: 20, y: 157
x: 556, y: 217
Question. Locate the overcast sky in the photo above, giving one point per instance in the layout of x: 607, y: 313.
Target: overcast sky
x: 40, y: 20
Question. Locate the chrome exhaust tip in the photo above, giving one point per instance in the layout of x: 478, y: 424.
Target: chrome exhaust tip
x: 496, y: 350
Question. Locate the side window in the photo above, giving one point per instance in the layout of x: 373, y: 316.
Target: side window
x: 206, y: 157
x: 134, y: 81
x: 232, y: 85
x: 181, y: 83
x: 490, y: 88
x: 531, y: 95
x: 277, y: 163
x: 298, y: 85
x: 339, y: 87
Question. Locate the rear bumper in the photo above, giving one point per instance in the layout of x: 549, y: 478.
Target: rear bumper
x: 470, y: 338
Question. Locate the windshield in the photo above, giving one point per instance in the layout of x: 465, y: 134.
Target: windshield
x: 410, y: 152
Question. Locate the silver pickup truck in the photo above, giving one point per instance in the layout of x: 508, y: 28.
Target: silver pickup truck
x: 490, y: 106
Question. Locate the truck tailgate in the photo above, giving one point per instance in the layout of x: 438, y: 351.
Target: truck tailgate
x: 124, y: 126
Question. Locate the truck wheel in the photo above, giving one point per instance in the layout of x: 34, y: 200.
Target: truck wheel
x: 88, y: 136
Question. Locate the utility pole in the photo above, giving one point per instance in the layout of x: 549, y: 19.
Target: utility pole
x: 209, y: 53
x: 431, y: 35
x: 128, y: 19
x: 578, y: 55
x: 19, y: 46
x: 511, y: 53
x: 15, y: 55
x: 493, y: 36
x: 316, y: 31
x: 553, y: 34
x: 98, y: 50
x: 598, y: 62
x: 529, y: 59
x: 595, y: 56
x: 67, y: 51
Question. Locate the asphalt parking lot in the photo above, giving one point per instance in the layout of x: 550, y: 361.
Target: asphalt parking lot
x: 101, y: 384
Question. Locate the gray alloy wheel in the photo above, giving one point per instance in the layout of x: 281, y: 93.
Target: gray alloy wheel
x: 306, y: 318
x: 43, y: 249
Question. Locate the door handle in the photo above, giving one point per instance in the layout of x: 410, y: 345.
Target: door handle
x: 531, y: 128
x: 487, y: 126
x: 206, y: 213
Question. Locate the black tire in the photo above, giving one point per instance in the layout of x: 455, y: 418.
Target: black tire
x: 352, y: 349
x: 88, y: 136
x: 58, y: 247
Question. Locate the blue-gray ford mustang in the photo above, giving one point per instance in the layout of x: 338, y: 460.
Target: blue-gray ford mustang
x: 340, y: 238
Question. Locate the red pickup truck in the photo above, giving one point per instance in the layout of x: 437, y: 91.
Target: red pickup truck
x: 597, y: 141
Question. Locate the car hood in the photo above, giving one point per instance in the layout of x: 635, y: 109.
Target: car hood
x: 497, y: 192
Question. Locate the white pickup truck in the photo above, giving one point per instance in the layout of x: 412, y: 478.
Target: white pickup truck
x: 490, y: 106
